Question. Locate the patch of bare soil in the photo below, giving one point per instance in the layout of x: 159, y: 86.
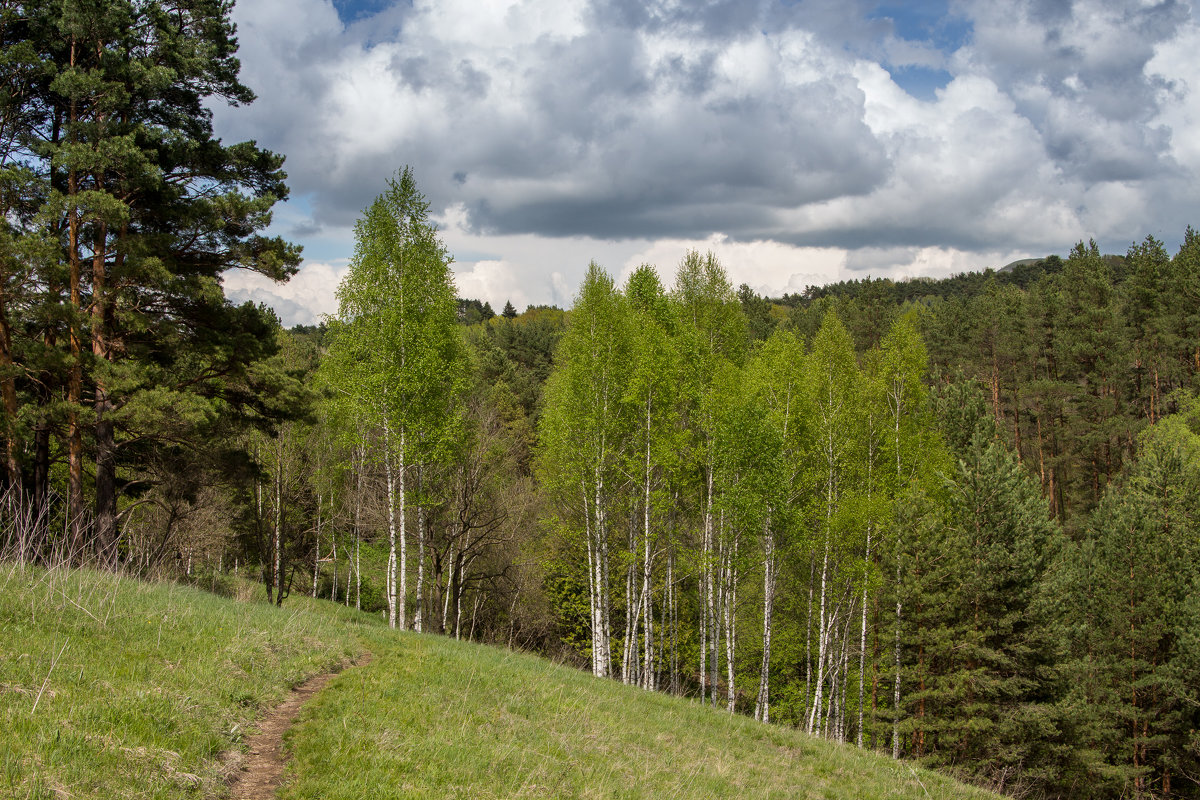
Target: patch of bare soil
x: 259, y: 771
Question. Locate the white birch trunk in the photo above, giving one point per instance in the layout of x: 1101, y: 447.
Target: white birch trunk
x: 714, y: 610
x: 896, y: 696
x: 317, y: 559
x: 605, y: 600
x: 279, y: 519
x: 593, y: 606
x: 671, y: 605
x: 602, y: 633
x: 897, y: 395
x: 333, y: 588
x: 420, y: 601
x: 812, y: 580
x: 447, y: 591
x: 822, y: 625
x: 731, y: 624
x: 762, y: 708
x: 706, y: 599
x: 458, y: 604
x: 632, y: 615
x: 862, y: 640
x: 391, y: 501
x: 402, y: 599
x: 648, y: 681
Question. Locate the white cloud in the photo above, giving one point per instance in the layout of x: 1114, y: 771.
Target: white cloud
x: 1177, y: 68
x: 496, y: 282
x: 767, y: 267
x: 303, y: 300
x: 551, y: 132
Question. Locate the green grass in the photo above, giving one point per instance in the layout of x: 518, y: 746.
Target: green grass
x: 154, y: 681
x: 432, y: 717
x: 110, y: 687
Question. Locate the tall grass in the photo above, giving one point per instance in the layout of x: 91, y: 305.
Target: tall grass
x: 111, y: 687
x: 431, y: 717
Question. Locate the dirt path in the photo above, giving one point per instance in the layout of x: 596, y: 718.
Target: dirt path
x: 260, y: 770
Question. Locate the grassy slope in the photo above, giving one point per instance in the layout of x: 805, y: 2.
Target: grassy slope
x: 436, y: 718
x: 156, y: 680
x: 151, y: 681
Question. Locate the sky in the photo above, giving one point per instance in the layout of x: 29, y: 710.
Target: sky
x: 801, y: 141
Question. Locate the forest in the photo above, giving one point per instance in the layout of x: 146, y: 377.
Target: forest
x: 955, y: 521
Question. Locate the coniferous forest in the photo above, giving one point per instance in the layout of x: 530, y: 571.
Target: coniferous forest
x: 956, y: 521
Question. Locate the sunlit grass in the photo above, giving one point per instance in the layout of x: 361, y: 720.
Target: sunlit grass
x: 113, y: 688
x: 432, y: 717
x: 110, y: 687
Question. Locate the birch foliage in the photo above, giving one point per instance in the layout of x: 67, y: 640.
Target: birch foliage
x: 396, y: 357
x: 583, y: 431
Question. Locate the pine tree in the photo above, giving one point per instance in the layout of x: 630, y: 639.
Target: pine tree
x: 1152, y: 321
x: 1089, y: 347
x: 109, y: 132
x: 990, y: 679
x: 1132, y: 702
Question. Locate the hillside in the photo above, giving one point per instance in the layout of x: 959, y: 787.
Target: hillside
x: 110, y: 687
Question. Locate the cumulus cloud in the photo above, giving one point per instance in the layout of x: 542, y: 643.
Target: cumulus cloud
x: 767, y: 267
x: 303, y: 300
x: 550, y: 132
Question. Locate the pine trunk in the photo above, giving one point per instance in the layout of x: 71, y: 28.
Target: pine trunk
x: 106, y: 448
x: 8, y: 393
x: 75, y: 505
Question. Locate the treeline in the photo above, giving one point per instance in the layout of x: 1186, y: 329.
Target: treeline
x: 1076, y: 355
x: 953, y: 558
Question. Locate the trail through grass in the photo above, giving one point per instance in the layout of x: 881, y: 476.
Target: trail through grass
x: 113, y: 688
x: 139, y: 687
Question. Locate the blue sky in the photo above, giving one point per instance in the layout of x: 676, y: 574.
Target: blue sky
x: 931, y: 23
x: 802, y: 141
x: 349, y: 11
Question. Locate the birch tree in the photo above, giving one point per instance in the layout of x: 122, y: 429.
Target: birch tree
x: 652, y: 395
x: 904, y: 365
x: 396, y: 354
x: 777, y: 374
x: 583, y: 436
x: 713, y: 328
x: 833, y: 383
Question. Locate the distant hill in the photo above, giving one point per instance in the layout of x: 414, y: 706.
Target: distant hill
x: 1023, y: 262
